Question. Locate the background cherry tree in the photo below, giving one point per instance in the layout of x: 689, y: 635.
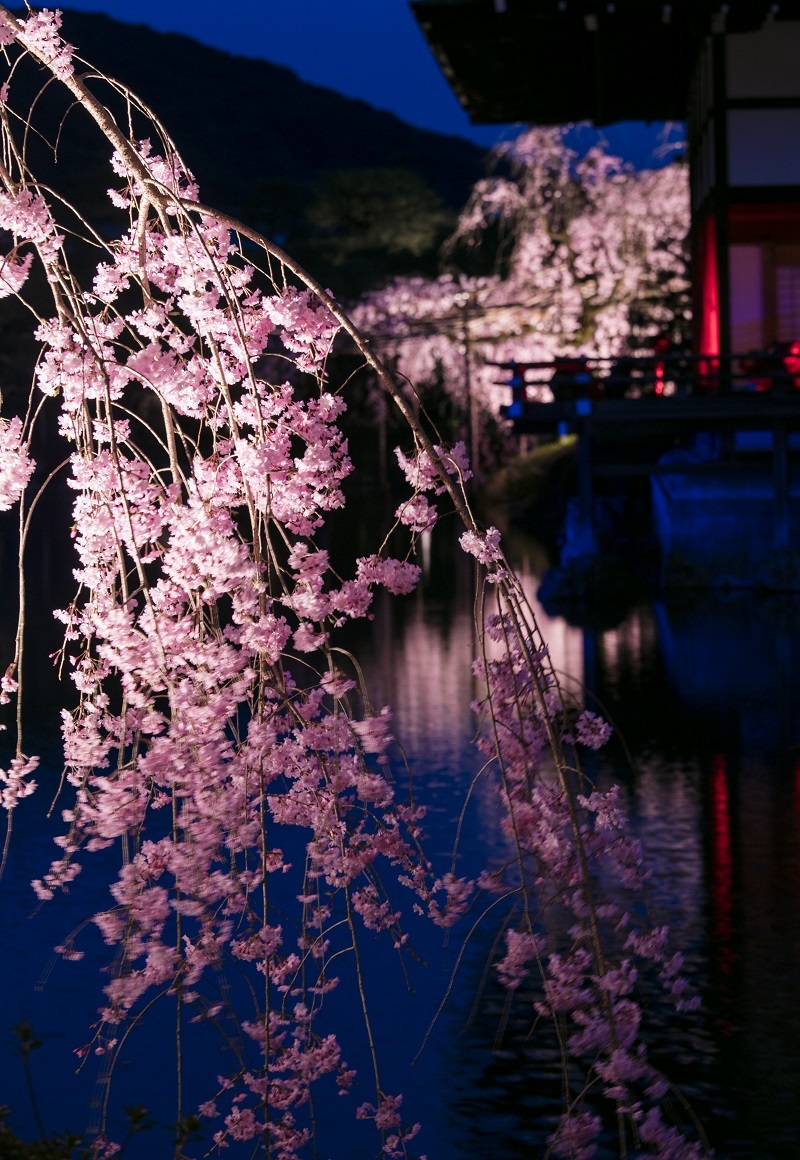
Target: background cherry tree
x: 580, y: 256
x: 217, y: 724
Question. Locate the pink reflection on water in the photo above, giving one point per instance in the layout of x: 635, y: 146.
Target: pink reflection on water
x: 721, y: 864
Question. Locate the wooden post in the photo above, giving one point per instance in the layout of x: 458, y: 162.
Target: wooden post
x: 583, y: 413
x: 473, y: 415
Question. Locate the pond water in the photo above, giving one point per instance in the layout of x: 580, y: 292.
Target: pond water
x: 705, y: 692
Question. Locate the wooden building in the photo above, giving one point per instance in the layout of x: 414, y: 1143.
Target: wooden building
x: 731, y: 71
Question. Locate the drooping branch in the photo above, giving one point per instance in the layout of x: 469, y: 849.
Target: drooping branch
x: 208, y: 686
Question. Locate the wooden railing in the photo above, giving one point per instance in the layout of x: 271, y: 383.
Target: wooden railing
x: 638, y: 376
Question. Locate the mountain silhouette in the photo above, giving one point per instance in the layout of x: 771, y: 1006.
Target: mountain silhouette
x: 263, y: 145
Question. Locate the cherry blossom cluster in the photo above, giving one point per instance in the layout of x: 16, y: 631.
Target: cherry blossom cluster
x: 193, y: 738
x: 586, y: 978
x: 39, y: 33
x: 206, y: 454
x: 16, y: 466
x: 14, y: 783
x: 592, y: 261
x: 426, y: 472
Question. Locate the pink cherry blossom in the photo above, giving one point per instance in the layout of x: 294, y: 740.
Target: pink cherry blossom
x: 591, y: 730
x: 593, y: 261
x: 13, y: 781
x: 40, y: 35
x: 485, y: 546
x: 212, y: 705
x: 16, y: 467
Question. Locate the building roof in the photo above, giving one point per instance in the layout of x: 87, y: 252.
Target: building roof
x: 550, y: 62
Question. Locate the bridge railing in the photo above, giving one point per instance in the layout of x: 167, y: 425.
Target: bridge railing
x: 633, y: 376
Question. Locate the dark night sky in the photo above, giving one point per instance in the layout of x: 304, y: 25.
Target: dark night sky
x: 370, y: 49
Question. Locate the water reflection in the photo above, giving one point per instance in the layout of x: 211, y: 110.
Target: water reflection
x: 705, y: 694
